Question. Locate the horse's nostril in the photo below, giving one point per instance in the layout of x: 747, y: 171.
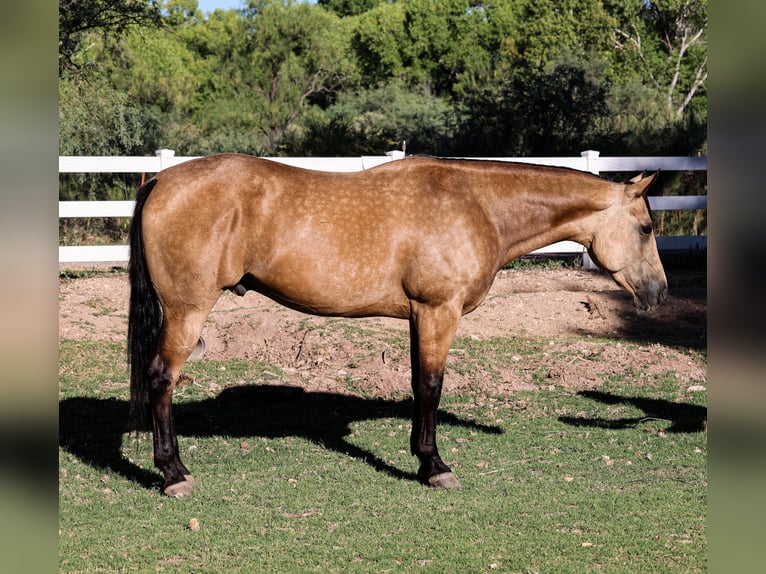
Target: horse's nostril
x: 663, y: 292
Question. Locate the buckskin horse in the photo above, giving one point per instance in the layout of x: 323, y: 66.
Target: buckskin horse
x: 419, y: 239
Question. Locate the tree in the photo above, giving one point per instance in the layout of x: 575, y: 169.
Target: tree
x: 349, y: 7
x: 377, y: 38
x: 289, y: 56
x: 546, y: 29
x: 78, y: 18
x: 668, y: 38
x: 95, y: 119
x: 446, y: 45
x: 536, y: 113
x: 439, y: 45
x: 372, y: 121
x: 157, y: 69
x: 461, y: 77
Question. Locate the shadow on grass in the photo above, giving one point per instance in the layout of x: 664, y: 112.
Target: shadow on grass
x: 683, y: 417
x: 92, y: 429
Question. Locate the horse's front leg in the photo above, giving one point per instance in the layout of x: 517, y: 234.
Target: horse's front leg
x: 431, y: 333
x: 178, y: 479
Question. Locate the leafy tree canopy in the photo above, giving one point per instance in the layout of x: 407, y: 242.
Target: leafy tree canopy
x: 453, y: 77
x: 79, y: 18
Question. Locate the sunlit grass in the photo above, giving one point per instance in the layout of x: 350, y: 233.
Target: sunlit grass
x: 292, y: 481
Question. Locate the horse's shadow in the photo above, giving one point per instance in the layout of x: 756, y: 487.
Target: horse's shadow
x: 683, y: 417
x: 92, y: 429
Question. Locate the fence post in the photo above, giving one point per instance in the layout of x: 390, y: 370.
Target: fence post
x: 591, y: 160
x: 164, y: 155
x: 591, y: 165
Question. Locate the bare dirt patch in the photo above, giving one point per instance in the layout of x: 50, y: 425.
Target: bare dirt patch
x: 565, y: 327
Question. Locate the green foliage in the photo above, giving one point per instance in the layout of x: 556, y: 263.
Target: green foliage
x: 349, y: 77
x: 157, y: 69
x: 445, y: 44
x: 550, y: 28
x: 97, y: 119
x: 283, y: 59
x: 349, y: 7
x: 380, y: 119
x: 82, y: 273
x: 80, y: 19
x: 377, y: 37
x: 683, y: 222
x: 665, y: 45
x: 537, y: 113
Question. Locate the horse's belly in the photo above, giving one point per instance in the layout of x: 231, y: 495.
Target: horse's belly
x: 333, y: 291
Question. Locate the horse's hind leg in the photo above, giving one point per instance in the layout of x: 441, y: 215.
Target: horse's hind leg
x: 180, y: 333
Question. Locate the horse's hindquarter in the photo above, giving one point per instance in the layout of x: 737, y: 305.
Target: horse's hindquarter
x: 357, y: 244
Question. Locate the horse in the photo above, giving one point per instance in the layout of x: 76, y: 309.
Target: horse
x: 419, y: 239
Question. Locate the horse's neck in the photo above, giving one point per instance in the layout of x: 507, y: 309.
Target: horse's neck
x: 529, y: 219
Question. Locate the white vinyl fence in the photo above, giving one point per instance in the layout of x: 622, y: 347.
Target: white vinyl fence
x: 588, y: 161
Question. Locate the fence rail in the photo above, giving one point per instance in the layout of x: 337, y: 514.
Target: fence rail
x: 588, y: 161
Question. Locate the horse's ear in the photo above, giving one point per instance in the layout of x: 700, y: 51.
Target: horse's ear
x: 639, y: 184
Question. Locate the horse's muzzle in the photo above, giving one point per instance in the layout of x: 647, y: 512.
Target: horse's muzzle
x: 652, y: 294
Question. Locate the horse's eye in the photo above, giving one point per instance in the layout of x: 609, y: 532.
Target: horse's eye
x: 646, y: 228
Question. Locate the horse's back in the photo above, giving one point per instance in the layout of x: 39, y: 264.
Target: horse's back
x: 361, y: 243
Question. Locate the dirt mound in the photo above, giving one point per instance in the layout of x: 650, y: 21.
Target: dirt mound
x: 537, y: 327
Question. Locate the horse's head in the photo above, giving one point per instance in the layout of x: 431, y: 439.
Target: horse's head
x: 623, y: 244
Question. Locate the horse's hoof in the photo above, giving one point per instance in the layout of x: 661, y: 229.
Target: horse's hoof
x: 179, y: 489
x: 444, y: 480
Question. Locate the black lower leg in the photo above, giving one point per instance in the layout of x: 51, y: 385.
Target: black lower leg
x: 166, y: 455
x: 427, y: 394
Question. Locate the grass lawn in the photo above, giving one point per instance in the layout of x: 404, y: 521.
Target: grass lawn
x: 611, y: 480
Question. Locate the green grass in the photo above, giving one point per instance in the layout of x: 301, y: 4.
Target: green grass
x: 612, y: 480
x: 83, y: 272
x: 545, y: 262
x: 489, y: 353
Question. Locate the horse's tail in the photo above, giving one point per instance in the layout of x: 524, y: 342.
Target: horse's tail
x: 144, y: 316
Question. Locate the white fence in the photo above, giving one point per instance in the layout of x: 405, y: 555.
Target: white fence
x: 588, y: 161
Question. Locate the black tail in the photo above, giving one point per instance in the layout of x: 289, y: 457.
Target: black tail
x: 144, y: 316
